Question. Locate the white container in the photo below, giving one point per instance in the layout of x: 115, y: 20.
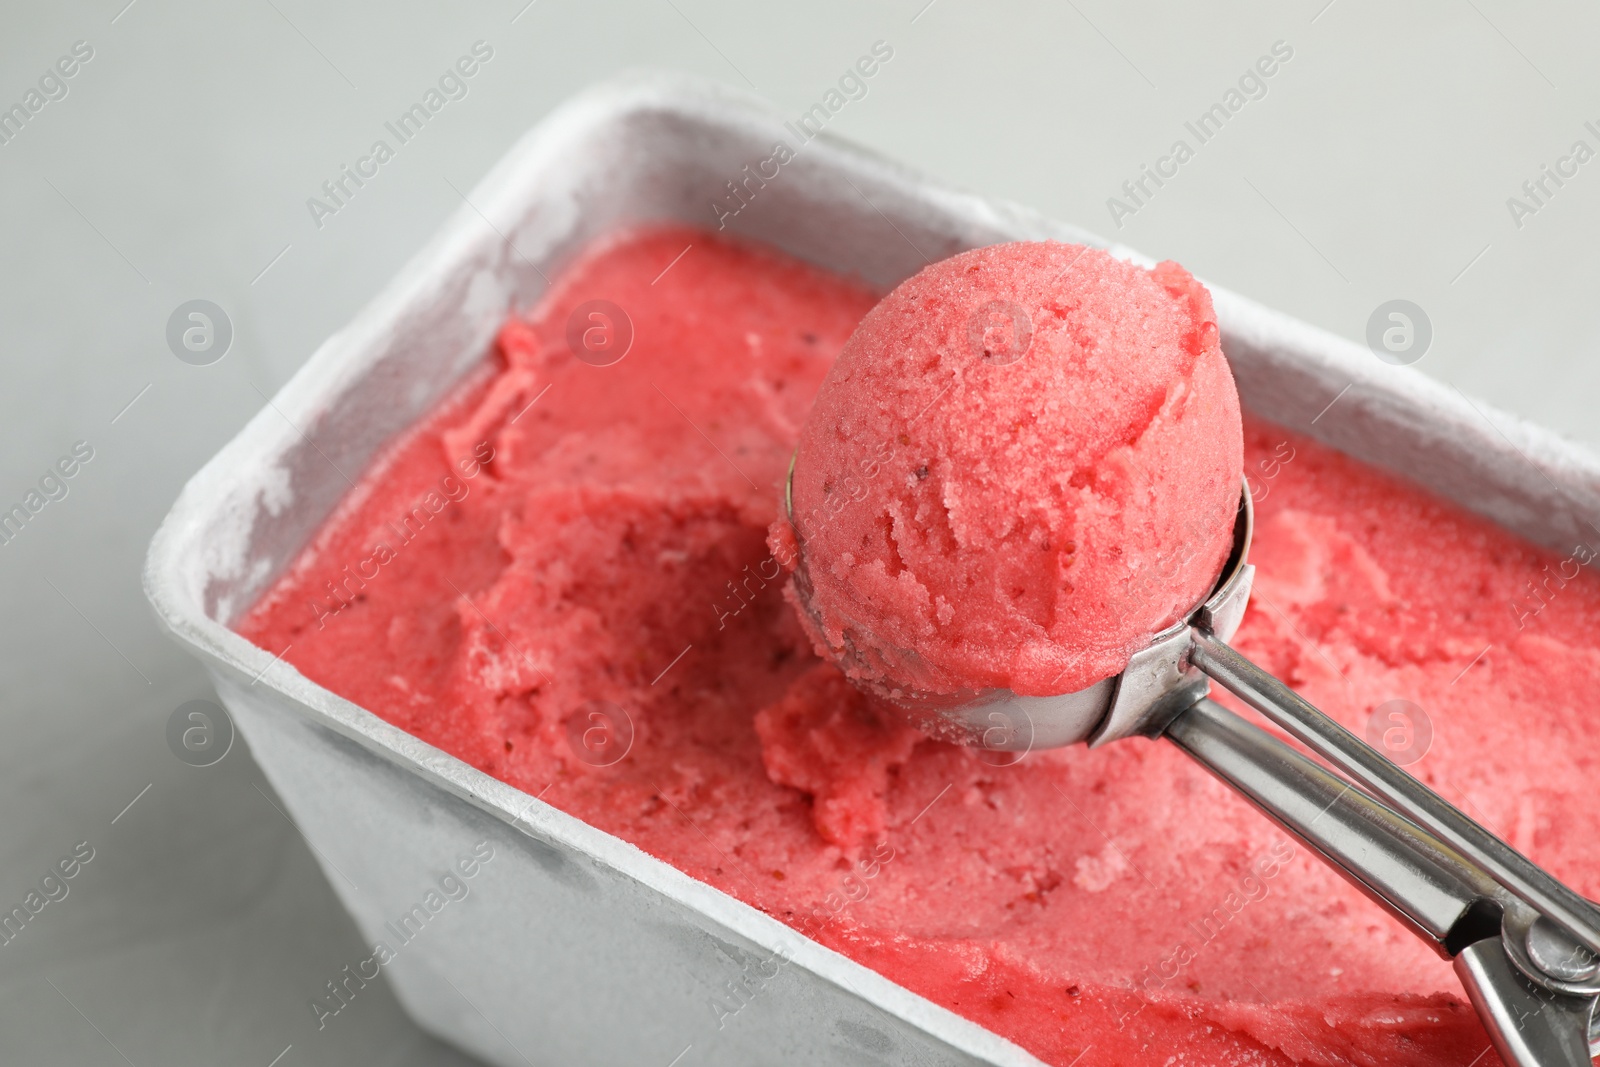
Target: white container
x: 575, y: 947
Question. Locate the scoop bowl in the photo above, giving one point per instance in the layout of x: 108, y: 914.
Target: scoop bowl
x: 1158, y: 678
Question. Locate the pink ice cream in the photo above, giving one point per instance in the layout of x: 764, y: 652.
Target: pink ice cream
x: 1100, y: 907
x: 1025, y: 463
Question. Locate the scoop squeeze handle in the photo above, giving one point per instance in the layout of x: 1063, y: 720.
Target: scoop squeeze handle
x: 1433, y: 890
x: 1419, y: 881
x: 1370, y: 769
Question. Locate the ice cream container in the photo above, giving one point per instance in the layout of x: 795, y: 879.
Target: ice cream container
x: 568, y: 945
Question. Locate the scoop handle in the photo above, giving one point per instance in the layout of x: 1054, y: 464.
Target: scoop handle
x: 1370, y: 769
x: 1422, y: 883
x: 1429, y: 887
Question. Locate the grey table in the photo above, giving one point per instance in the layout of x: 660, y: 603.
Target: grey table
x: 1384, y: 159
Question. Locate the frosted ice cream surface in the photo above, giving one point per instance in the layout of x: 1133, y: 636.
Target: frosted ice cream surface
x: 606, y: 544
x: 1024, y: 464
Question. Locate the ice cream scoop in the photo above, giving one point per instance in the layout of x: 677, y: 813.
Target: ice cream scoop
x: 1525, y: 946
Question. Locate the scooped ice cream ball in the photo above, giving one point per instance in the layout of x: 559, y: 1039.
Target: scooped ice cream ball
x: 1025, y: 463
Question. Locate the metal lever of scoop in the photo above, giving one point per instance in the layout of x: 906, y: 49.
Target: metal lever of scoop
x: 1529, y: 1026
x: 1421, y: 882
x: 1280, y: 704
x: 1429, y: 887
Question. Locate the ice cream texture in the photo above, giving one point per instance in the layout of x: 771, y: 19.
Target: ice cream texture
x: 1024, y: 464
x: 1099, y: 907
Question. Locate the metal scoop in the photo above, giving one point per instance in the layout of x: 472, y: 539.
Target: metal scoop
x: 1525, y: 946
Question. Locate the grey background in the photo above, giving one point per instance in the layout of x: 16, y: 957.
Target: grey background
x: 1376, y: 167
